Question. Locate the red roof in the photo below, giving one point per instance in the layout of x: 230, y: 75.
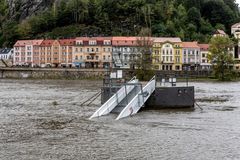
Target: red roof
x: 190, y: 45
x: 48, y: 42
x: 67, y: 42
x: 125, y: 41
x: 93, y: 38
x: 22, y: 43
x: 204, y: 47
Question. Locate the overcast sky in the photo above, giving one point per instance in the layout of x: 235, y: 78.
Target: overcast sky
x: 238, y: 1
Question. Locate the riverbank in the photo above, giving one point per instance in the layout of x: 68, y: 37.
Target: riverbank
x: 93, y: 74
x: 51, y: 73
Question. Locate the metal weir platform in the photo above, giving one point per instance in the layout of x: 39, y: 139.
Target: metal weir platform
x: 128, y: 100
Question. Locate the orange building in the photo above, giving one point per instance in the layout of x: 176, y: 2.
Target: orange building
x: 66, y: 52
x: 50, y: 53
x: 93, y: 52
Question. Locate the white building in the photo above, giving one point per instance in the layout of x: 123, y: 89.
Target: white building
x: 235, y: 31
x: 205, y: 62
x: 191, y: 56
x: 125, y: 52
x: 6, y: 53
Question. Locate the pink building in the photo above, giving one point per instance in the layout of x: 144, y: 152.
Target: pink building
x: 26, y: 52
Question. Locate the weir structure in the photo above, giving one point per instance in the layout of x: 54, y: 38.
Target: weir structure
x: 128, y: 100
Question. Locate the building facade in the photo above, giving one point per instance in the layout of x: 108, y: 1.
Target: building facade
x: 6, y: 53
x: 66, y: 52
x: 26, y: 52
x: 167, y: 54
x: 205, y: 62
x: 93, y: 52
x: 125, y: 52
x: 235, y: 30
x: 191, y: 56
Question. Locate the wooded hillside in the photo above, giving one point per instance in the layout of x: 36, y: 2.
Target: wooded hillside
x: 188, y: 19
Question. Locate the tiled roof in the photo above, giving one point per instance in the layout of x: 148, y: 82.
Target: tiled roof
x: 125, y: 41
x: 190, y: 45
x: 204, y: 47
x: 67, y: 42
x: 167, y: 39
x: 22, y: 43
x: 93, y: 38
x: 5, y: 50
x: 37, y: 42
x: 48, y: 42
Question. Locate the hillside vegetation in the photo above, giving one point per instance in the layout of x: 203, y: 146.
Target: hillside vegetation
x: 188, y: 19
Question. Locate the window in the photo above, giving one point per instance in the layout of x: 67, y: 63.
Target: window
x: 109, y: 49
x: 76, y: 50
x: 80, y: 57
x: 104, y: 57
x: 79, y: 42
x: 96, y: 49
x: 87, y: 49
x: 29, y: 47
x: 104, y: 49
x: 92, y: 42
x: 76, y: 57
x: 97, y: 57
x: 29, y: 53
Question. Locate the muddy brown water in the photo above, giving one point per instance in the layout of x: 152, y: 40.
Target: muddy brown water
x: 43, y: 119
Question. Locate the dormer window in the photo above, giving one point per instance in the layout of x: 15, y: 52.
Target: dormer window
x: 79, y: 42
x: 92, y: 43
x: 107, y: 43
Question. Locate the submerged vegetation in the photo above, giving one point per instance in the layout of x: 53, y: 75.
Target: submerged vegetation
x: 188, y: 19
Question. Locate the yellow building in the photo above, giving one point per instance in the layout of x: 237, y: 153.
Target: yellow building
x: 167, y: 53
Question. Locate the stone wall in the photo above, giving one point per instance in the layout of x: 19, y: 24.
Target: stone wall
x: 51, y: 73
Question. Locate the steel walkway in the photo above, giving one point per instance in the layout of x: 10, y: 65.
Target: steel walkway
x: 128, y: 100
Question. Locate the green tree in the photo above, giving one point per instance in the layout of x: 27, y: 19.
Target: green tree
x: 221, y: 57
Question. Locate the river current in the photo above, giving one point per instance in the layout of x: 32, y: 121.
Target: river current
x: 44, y: 119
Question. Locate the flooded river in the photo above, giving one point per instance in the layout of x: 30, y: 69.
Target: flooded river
x: 44, y: 119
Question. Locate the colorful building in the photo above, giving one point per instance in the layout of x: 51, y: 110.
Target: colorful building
x: 125, y: 52
x: 191, y: 56
x: 26, y: 52
x: 205, y: 62
x: 167, y: 53
x: 66, y: 52
x: 93, y: 52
